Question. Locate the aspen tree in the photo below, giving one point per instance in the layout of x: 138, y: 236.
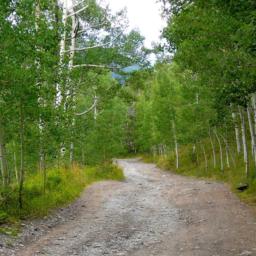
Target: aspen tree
x: 243, y: 131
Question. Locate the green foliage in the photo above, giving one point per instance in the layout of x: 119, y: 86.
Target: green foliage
x: 3, y: 217
x: 215, y: 40
x: 105, y: 171
x: 62, y: 187
x: 204, y: 99
x: 44, y: 88
x: 195, y: 167
x: 10, y: 231
x: 106, y: 139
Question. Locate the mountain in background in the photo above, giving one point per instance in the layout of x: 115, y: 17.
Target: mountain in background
x: 125, y: 73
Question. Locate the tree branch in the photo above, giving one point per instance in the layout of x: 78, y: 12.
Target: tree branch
x: 89, y: 109
x: 76, y: 12
x: 93, y: 66
x: 92, y: 27
x: 91, y: 47
x: 88, y: 28
x: 94, y: 46
x: 74, y: 6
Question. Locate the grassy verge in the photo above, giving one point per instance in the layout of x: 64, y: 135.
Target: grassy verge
x: 62, y: 187
x: 189, y: 166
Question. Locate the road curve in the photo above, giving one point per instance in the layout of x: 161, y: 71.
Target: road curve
x: 153, y: 213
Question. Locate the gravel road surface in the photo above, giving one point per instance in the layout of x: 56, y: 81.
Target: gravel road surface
x: 152, y: 213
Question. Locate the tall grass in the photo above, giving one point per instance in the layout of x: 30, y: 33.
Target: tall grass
x: 190, y: 166
x: 62, y: 187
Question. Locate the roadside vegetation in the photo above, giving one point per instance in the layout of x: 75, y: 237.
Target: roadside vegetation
x: 63, y: 186
x: 233, y: 176
x: 63, y: 116
x: 196, y: 113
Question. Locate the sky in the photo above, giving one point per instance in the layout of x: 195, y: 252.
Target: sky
x: 144, y: 15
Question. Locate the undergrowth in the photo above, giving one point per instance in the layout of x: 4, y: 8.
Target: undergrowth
x: 196, y: 167
x: 62, y: 187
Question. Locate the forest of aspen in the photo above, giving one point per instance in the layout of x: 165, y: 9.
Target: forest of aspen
x: 68, y: 106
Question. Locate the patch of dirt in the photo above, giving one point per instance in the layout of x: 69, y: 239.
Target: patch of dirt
x: 152, y: 213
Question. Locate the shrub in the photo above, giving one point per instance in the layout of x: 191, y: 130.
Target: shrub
x: 62, y: 186
x: 3, y: 217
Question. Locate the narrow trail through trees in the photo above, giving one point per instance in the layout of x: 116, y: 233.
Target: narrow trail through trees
x: 153, y: 213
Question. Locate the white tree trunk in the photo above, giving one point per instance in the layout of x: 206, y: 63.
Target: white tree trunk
x: 22, y: 167
x: 15, y: 163
x: 95, y: 115
x: 221, y: 151
x: 83, y: 156
x: 175, y: 144
x: 70, y: 65
x: 63, y: 36
x: 71, y: 156
x: 243, y: 130
x: 252, y: 133
x: 227, y: 152
x: 59, y: 96
x: 41, y: 102
x: 253, y: 102
x: 3, y: 160
x: 73, y: 42
x: 165, y: 150
x: 195, y: 152
x: 205, y: 157
x: 154, y: 151
x: 213, y: 151
x: 237, y: 134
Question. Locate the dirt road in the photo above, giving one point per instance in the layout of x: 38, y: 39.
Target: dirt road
x: 153, y: 213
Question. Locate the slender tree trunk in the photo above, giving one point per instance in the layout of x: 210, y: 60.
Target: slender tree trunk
x: 95, y: 114
x: 41, y: 160
x: 221, y: 151
x: 253, y: 102
x: 164, y: 151
x: 42, y: 168
x: 83, y: 156
x: 21, y: 175
x: 154, y: 151
x: 73, y: 41
x: 71, y: 64
x: 195, y: 153
x: 37, y: 15
x: 41, y: 101
x: 227, y: 152
x: 63, y: 36
x: 3, y: 160
x: 175, y: 144
x: 60, y: 91
x: 243, y: 130
x: 71, y: 155
x: 237, y: 133
x: 15, y: 163
x: 205, y: 157
x: 213, y: 150
x: 252, y: 133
